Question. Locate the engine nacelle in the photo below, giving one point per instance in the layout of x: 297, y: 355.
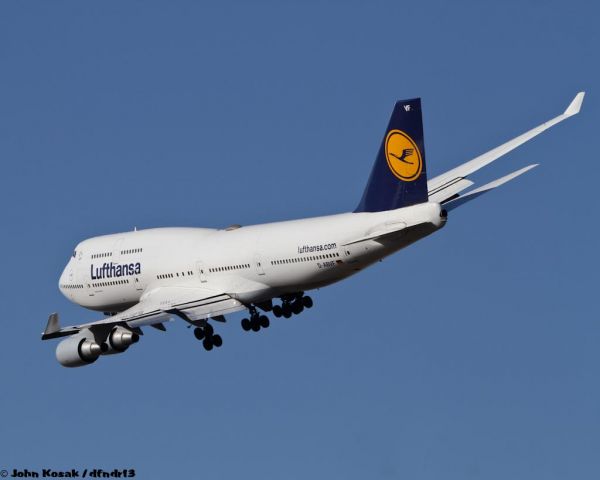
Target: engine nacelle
x: 78, y: 350
x: 119, y: 340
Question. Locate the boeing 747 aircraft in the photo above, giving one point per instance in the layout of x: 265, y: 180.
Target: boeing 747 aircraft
x: 199, y: 275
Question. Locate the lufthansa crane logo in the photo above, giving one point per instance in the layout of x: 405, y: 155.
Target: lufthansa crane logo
x: 403, y: 156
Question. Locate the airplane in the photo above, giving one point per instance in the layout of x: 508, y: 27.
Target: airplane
x: 149, y: 277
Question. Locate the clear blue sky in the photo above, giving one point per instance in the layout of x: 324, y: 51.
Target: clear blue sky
x: 472, y: 354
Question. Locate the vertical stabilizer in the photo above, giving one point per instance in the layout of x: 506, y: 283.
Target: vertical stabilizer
x: 399, y: 176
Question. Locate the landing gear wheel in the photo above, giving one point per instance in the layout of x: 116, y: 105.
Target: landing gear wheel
x: 297, y: 307
x: 255, y: 326
x: 198, y: 333
x: 246, y: 325
x: 207, y: 344
x: 217, y: 340
x: 209, y: 330
x: 264, y: 321
x: 287, y: 310
x: 267, y: 307
x: 307, y: 302
x: 277, y: 311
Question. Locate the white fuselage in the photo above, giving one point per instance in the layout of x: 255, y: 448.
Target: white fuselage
x: 252, y: 264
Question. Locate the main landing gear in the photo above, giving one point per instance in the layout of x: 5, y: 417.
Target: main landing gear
x: 291, y: 305
x: 256, y: 321
x: 208, y: 337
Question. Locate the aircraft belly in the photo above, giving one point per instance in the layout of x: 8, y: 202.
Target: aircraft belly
x: 108, y: 305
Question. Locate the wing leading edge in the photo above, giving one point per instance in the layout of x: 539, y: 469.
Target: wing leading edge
x: 155, y: 307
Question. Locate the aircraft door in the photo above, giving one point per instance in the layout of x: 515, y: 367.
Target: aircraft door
x: 353, y: 252
x: 201, y: 269
x: 117, y: 247
x: 140, y: 280
x: 139, y: 283
x: 258, y: 265
x: 80, y: 268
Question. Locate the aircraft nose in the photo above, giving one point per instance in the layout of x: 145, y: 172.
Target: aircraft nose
x: 61, y: 281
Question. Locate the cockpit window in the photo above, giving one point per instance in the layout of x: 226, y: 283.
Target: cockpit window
x: 74, y: 253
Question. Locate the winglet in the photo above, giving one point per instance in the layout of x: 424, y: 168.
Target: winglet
x: 53, y: 329
x: 53, y: 325
x: 575, y: 105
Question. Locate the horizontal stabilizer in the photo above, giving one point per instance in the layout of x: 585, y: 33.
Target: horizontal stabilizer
x: 473, y: 194
x: 444, y: 180
x: 450, y: 190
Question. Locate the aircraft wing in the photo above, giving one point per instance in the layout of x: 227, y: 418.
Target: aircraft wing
x: 192, y: 304
x: 447, y: 186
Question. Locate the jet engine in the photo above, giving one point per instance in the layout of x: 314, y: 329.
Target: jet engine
x: 119, y: 340
x: 78, y: 350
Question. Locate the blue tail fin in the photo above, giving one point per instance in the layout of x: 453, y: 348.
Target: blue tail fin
x: 399, y: 176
